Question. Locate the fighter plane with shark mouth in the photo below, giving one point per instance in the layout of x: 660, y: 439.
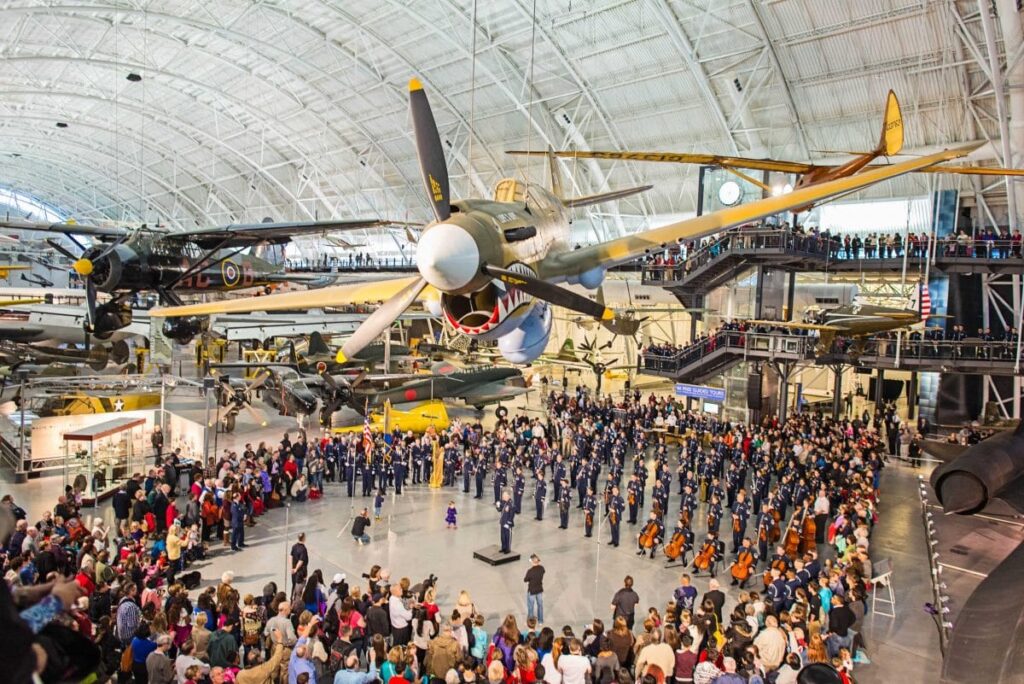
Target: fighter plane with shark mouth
x: 491, y: 267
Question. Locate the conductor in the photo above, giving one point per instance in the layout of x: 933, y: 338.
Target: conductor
x: 508, y: 517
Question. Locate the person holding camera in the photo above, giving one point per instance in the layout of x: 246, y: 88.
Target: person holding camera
x: 359, y: 525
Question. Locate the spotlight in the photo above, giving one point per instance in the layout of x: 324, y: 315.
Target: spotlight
x: 935, y: 555
x: 947, y: 625
x: 134, y: 77
x: 61, y: 124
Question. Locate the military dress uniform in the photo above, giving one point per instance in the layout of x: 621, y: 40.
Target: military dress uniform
x: 539, y: 496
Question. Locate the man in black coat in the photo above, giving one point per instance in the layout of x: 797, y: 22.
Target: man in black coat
x: 122, y: 503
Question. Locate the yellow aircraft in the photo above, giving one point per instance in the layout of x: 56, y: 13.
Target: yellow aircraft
x: 425, y: 416
x: 890, y: 144
x: 8, y: 303
x: 496, y: 264
x: 5, y: 269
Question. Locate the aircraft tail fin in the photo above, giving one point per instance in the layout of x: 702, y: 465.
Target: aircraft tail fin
x: 892, y: 128
x: 317, y: 345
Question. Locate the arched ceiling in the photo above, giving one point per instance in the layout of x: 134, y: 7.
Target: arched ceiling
x: 297, y: 108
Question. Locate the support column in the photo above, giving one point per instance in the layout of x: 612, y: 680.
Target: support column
x: 837, y: 392
x: 790, y: 296
x: 879, y: 394
x: 783, y: 369
x: 912, y: 396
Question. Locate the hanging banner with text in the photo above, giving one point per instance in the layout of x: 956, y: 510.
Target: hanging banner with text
x: 715, y: 394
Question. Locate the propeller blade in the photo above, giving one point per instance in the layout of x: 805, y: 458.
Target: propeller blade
x: 112, y: 246
x: 257, y: 415
x: 258, y: 381
x: 90, y: 299
x: 541, y: 289
x: 410, y: 236
x: 430, y: 151
x: 97, y: 359
x: 119, y: 352
x: 380, y: 320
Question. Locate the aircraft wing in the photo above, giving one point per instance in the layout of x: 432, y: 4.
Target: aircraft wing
x: 797, y: 325
x: 490, y: 393
x: 336, y: 295
x: 722, y: 161
x: 560, y: 265
x: 974, y: 170
x: 239, y: 234
x: 69, y: 228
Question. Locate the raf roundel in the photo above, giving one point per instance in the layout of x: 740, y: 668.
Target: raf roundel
x: 229, y: 270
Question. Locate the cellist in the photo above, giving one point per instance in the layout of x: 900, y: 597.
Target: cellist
x: 685, y: 535
x: 717, y: 548
x: 746, y: 560
x: 652, y: 535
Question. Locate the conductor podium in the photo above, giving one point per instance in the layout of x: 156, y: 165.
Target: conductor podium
x: 492, y: 555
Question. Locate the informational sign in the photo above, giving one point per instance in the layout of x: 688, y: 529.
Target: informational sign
x: 715, y: 394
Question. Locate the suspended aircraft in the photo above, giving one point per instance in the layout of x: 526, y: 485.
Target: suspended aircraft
x: 318, y: 357
x: 858, y: 321
x: 124, y: 262
x: 491, y: 267
x: 889, y: 145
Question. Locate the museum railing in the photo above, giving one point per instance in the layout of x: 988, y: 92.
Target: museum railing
x: 787, y: 241
x: 951, y: 350
x: 737, y: 341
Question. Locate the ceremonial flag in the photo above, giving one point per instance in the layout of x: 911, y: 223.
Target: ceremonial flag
x: 926, y: 302
x: 367, y: 438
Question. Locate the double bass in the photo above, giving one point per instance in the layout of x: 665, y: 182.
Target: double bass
x: 808, y: 533
x: 743, y: 568
x: 776, y: 529
x: 706, y: 556
x: 648, y: 538
x: 791, y: 542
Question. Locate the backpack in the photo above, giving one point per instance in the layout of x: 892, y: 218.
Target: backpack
x: 190, y: 580
x: 250, y: 629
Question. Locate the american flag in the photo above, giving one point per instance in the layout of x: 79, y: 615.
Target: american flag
x: 367, y: 438
x: 926, y: 302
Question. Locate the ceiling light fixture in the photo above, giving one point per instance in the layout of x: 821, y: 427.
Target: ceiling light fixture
x: 134, y: 77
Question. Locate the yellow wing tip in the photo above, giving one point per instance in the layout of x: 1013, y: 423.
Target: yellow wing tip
x: 414, y: 84
x: 607, y: 315
x: 340, y: 357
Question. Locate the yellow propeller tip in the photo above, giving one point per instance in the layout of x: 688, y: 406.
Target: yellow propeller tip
x: 414, y: 84
x: 82, y: 267
x: 607, y: 315
x: 340, y: 357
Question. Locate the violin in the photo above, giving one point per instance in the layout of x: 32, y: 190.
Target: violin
x: 613, y: 517
x: 736, y: 524
x: 590, y: 518
x: 684, y: 519
x: 676, y: 546
x: 705, y: 557
x: 776, y: 529
x: 632, y: 499
x: 648, y: 538
x: 743, y: 568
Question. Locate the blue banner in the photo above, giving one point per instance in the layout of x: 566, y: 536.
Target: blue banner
x: 715, y: 394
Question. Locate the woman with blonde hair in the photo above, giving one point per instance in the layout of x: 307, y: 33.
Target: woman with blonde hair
x: 465, y: 605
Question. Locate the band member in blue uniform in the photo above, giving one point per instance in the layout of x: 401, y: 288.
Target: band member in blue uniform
x: 540, y: 495
x: 507, y: 521
x: 564, y: 503
x: 740, y: 516
x: 479, y: 474
x: 398, y: 465
x: 589, y: 509
x: 633, y: 497
x: 653, y: 533
x: 467, y: 470
x: 350, y: 471
x: 518, y: 488
x: 615, y: 507
x: 765, y: 526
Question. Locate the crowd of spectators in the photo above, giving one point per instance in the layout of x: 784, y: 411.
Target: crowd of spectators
x: 123, y: 602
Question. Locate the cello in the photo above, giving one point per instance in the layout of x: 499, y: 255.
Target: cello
x: 777, y: 564
x: 706, y: 556
x: 776, y: 529
x: 743, y: 568
x: 677, y: 546
x: 648, y: 538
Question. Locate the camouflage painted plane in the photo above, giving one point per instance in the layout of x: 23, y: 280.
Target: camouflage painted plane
x: 491, y: 267
x: 889, y: 145
x: 123, y: 262
x: 858, y: 321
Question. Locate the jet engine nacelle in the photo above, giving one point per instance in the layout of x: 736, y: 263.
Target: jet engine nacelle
x: 183, y: 329
x: 528, y: 341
